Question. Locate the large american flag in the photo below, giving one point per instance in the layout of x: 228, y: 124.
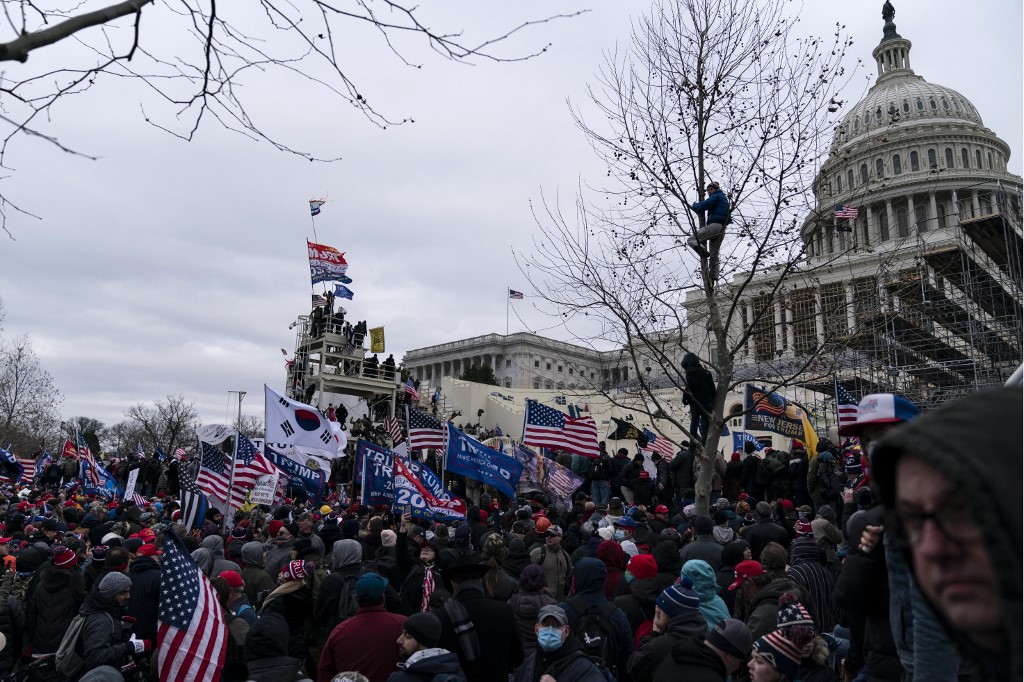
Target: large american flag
x: 410, y: 388
x: 394, y: 430
x: 425, y: 431
x: 846, y: 211
x: 846, y: 405
x: 91, y: 471
x: 547, y: 427
x: 191, y: 635
x: 214, y: 475
x: 659, y: 444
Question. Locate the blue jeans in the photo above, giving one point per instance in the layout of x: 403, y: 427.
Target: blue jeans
x: 600, y: 492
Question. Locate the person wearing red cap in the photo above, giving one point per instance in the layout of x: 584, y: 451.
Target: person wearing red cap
x: 237, y: 603
x: 55, y: 601
x: 659, y: 520
x: 761, y: 595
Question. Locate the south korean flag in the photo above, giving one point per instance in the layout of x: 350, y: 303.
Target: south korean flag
x: 298, y: 424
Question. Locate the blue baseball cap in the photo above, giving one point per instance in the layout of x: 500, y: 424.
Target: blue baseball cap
x: 626, y: 522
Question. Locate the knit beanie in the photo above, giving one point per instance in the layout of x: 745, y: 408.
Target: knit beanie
x: 803, y: 527
x: 796, y: 623
x: 853, y: 467
x: 62, y: 557
x: 424, y: 627
x: 273, y: 527
x: 295, y: 570
x: 675, y: 599
x: 642, y: 566
x: 783, y: 654
x: 388, y: 538
x: 114, y: 583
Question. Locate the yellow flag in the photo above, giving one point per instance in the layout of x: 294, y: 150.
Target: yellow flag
x: 377, y: 340
x: 810, y: 437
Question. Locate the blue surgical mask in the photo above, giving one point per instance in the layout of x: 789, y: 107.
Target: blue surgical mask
x: 620, y: 535
x: 629, y: 577
x: 549, y: 639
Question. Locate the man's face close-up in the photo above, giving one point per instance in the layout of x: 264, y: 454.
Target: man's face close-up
x: 952, y: 567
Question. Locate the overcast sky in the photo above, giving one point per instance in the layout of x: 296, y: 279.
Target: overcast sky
x: 168, y: 267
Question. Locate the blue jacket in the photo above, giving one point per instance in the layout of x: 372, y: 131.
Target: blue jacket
x: 716, y: 206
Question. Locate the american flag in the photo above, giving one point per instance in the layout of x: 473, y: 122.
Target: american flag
x: 394, y: 430
x: 213, y: 472
x: 180, y: 452
x: 213, y: 478
x: 193, y: 504
x: 549, y: 428
x: 138, y: 499
x: 83, y: 450
x: 846, y: 211
x: 191, y: 635
x: 314, y: 206
x: 425, y: 431
x: 559, y: 481
x: 139, y: 452
x: 659, y: 444
x: 29, y: 466
x: 515, y: 295
x: 319, y: 301
x: 846, y: 406
x: 410, y: 388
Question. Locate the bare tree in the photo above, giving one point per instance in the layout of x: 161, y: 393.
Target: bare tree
x: 251, y: 426
x: 194, y: 59
x: 710, y: 90
x: 122, y: 437
x: 168, y: 424
x: 29, y: 401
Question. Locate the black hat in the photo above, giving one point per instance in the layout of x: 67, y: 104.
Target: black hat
x: 302, y: 545
x: 424, y: 627
x: 465, y: 567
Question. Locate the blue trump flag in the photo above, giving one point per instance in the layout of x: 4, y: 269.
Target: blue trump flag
x: 342, y: 291
x: 376, y: 467
x: 741, y: 437
x: 469, y: 457
x: 311, y: 481
x: 161, y: 455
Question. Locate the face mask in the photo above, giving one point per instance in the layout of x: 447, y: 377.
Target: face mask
x: 549, y: 639
x: 629, y: 577
x: 620, y: 535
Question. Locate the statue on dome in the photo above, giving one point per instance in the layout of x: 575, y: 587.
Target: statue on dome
x: 888, y: 12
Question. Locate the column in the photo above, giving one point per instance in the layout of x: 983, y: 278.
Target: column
x: 933, y: 212
x: 819, y: 320
x: 851, y: 312
x: 777, y: 315
x: 872, y: 227
x: 975, y: 204
x: 790, y: 331
x: 911, y: 216
x: 891, y: 217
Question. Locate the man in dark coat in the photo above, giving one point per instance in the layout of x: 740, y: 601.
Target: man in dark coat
x: 724, y: 652
x: 418, y: 647
x: 677, y: 617
x: 699, y: 395
x: 144, y: 572
x: 764, y: 531
x: 489, y: 648
x: 54, y: 601
x: 106, y: 639
x: 588, y: 580
x: 559, y: 654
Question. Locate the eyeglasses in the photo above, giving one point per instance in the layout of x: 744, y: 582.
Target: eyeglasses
x: 953, y: 521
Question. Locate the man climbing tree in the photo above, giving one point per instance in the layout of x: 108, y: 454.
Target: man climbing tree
x: 716, y: 210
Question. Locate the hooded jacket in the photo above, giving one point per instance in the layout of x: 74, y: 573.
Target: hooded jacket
x: 104, y: 635
x: 346, y: 561
x: 568, y: 663
x: 656, y: 647
x: 215, y: 544
x: 700, y: 385
x: 426, y: 664
x: 706, y: 584
x: 266, y: 650
x: 693, y: 661
x: 54, y: 601
x: 253, y: 575
x: 144, y: 603
x: 588, y: 579
x: 975, y: 443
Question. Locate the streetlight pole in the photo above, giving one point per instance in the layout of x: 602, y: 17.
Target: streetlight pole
x: 234, y: 454
x: 241, y: 394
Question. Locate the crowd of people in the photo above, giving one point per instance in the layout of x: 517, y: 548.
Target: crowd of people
x: 902, y: 565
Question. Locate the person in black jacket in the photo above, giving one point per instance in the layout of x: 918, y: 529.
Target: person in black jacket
x: 723, y: 652
x: 107, y: 638
x: 559, y: 654
x: 765, y: 531
x: 490, y: 648
x: 54, y: 600
x: 699, y: 395
x: 144, y: 572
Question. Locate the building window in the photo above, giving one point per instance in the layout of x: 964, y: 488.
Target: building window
x: 990, y: 160
x: 817, y: 239
x: 977, y: 159
x: 941, y: 210
x: 591, y: 376
x: 839, y: 183
x: 933, y: 104
x: 878, y: 114
x: 559, y: 369
x: 879, y: 169
x: 883, y: 226
x: 945, y: 104
x: 508, y: 363
x: 536, y: 363
x: 949, y: 157
x: 829, y: 240
x: 964, y: 157
x: 920, y: 104
x: 536, y: 383
x: 897, y: 165
x: 548, y: 366
x: 867, y: 119
x: 508, y: 382
x: 915, y: 162
x: 864, y: 173
x: 921, y: 216
x: 932, y: 161
x: 849, y: 178
x: 906, y: 107
x: 549, y: 384
x: 902, y: 226
x: 956, y: 105
x: 570, y: 371
x: 867, y: 229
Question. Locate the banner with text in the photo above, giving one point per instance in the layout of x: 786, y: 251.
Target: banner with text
x: 469, y: 457
x: 377, y: 467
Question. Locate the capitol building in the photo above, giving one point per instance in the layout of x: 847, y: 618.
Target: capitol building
x: 919, y: 294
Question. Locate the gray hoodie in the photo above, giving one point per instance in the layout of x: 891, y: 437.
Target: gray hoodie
x: 345, y: 553
x: 215, y: 544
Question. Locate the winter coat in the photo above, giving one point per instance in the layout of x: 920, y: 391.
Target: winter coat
x: 656, y: 647
x: 693, y: 661
x: 424, y: 665
x: 588, y: 580
x: 763, y: 610
x: 144, y: 604
x: 55, y: 601
x: 763, y: 532
x: 501, y: 650
x: 291, y: 602
x: 266, y: 651
x: 700, y: 385
x: 526, y: 606
x: 365, y: 642
x: 703, y: 548
x: 610, y: 552
x: 705, y: 583
x: 715, y: 205
x: 215, y: 544
x: 638, y: 605
x: 253, y: 575
x: 277, y: 556
x: 12, y: 622
x: 104, y: 635
x: 568, y: 663
x: 681, y: 467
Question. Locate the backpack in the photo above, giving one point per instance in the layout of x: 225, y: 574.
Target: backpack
x: 347, y: 604
x: 593, y: 627
x: 68, y: 660
x: 778, y: 467
x: 600, y: 469
x: 764, y: 475
x: 826, y: 475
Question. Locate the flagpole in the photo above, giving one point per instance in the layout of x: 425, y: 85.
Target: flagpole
x: 231, y: 476
x: 508, y: 303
